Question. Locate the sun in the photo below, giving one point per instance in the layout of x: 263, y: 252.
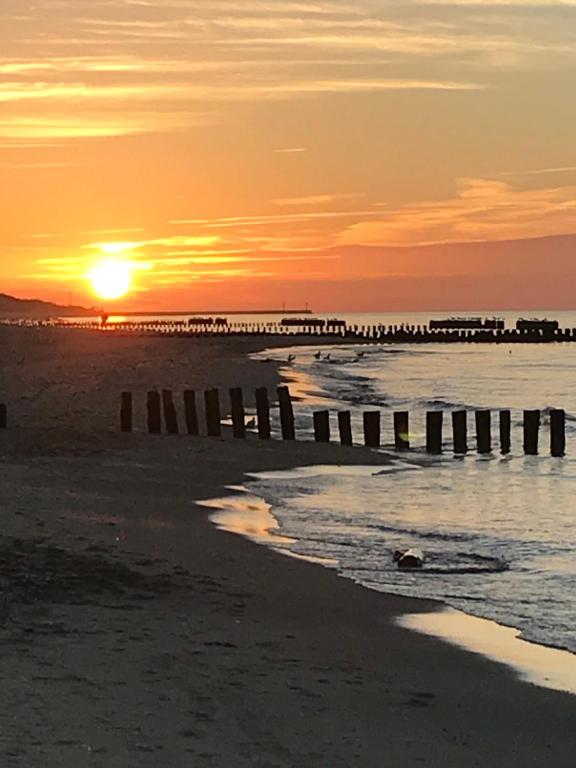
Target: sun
x: 111, y: 279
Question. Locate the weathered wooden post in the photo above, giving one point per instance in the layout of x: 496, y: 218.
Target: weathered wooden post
x: 154, y: 411
x: 505, y: 430
x: 345, y: 427
x: 372, y: 429
x: 434, y: 421
x: 322, y: 426
x: 484, y: 431
x: 3, y: 416
x: 531, y: 430
x: 460, y: 431
x: 212, y: 412
x: 263, y: 413
x: 238, y: 414
x: 286, y: 414
x: 170, y: 416
x: 125, y: 412
x: 557, y: 432
x: 191, y: 412
x: 402, y: 430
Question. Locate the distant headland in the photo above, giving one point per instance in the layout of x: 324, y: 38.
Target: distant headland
x: 10, y: 306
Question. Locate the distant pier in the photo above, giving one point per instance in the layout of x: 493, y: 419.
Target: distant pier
x: 313, y: 328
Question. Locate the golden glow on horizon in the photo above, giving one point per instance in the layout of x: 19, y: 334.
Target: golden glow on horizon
x: 111, y: 279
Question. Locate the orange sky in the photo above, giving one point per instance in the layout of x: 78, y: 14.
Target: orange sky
x: 355, y: 155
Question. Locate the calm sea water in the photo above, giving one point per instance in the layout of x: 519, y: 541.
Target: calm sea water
x: 499, y: 533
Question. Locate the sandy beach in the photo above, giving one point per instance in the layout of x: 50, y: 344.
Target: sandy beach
x: 135, y: 633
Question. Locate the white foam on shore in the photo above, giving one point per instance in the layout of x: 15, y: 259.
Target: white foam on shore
x: 537, y: 664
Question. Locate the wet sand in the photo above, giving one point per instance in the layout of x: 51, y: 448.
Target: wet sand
x: 134, y: 633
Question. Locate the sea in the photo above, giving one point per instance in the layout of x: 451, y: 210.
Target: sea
x: 498, y: 531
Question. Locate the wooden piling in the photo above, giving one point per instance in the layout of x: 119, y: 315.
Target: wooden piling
x: 3, y: 416
x: 345, y: 427
x: 238, y: 413
x: 531, y: 430
x: 505, y: 430
x: 484, y: 431
x: 372, y: 429
x: 170, y: 416
x: 212, y: 412
x: 154, y: 412
x: 125, y: 412
x: 286, y: 414
x: 434, y: 421
x: 557, y: 432
x: 263, y: 413
x: 460, y: 432
x: 402, y: 430
x: 191, y: 412
x: 322, y: 426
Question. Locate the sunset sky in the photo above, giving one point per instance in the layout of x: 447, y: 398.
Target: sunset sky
x: 360, y: 155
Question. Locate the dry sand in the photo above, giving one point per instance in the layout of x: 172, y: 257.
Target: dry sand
x: 135, y: 634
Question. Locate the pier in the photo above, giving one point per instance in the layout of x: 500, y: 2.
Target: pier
x: 315, y: 329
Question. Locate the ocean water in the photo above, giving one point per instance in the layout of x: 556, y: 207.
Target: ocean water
x: 498, y: 532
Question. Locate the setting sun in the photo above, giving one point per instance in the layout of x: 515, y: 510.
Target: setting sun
x: 111, y: 279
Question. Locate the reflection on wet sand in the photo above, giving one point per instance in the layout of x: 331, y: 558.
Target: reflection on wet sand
x: 251, y: 516
x: 537, y: 664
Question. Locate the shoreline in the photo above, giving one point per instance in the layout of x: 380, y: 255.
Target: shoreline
x: 256, y: 659
x: 244, y: 514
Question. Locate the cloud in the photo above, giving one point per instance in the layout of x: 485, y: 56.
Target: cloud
x: 313, y: 200
x: 483, y: 209
x: 137, y: 66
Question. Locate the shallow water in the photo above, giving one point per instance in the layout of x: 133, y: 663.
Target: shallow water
x: 499, y: 533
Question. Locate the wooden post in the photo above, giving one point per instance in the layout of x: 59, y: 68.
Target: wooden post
x: 212, y: 412
x: 434, y: 420
x: 505, y: 429
x: 484, y: 431
x: 531, y: 429
x: 3, y: 416
x: 402, y: 430
x: 190, y: 412
x: 557, y: 432
x: 286, y: 414
x: 460, y: 431
x: 238, y: 414
x: 125, y: 412
x: 372, y: 429
x: 322, y: 426
x: 170, y: 417
x: 345, y: 427
x: 154, y: 410
x: 263, y: 413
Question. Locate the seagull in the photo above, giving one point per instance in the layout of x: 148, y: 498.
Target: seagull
x: 318, y: 354
x: 291, y: 358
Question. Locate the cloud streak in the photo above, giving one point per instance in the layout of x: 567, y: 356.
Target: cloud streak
x: 188, y: 56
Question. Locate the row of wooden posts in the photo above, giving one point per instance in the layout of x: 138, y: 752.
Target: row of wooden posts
x: 159, y: 403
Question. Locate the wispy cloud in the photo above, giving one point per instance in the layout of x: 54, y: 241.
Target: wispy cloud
x: 191, y: 57
x: 483, y: 209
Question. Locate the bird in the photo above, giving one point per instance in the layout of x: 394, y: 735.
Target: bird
x: 318, y: 354
x: 360, y: 354
x: 251, y: 423
x: 291, y: 358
